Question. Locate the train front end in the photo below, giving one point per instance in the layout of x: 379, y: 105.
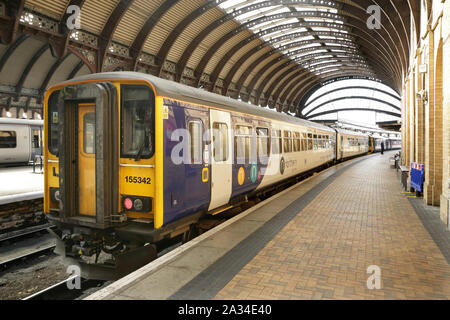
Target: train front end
x: 101, y: 174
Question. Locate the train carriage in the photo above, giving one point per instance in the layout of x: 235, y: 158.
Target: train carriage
x: 133, y: 159
x: 20, y: 140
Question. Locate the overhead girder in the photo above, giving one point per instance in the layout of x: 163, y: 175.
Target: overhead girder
x: 28, y: 68
x: 104, y: 40
x: 270, y: 77
x: 50, y: 73
x: 291, y: 82
x: 9, y: 33
x: 352, y: 88
x: 258, y: 75
x: 180, y: 69
x: 11, y: 49
x: 243, y: 27
x: 373, y: 48
x: 162, y: 55
x: 394, y: 114
x: 296, y: 81
x: 352, y: 98
x: 312, y: 77
x: 294, y: 94
x: 293, y: 71
x: 389, y: 30
x: 304, y: 93
x: 272, y: 53
x: 218, y: 69
x: 75, y: 70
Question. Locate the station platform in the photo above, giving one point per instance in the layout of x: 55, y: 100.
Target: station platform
x: 19, y: 184
x: 315, y: 240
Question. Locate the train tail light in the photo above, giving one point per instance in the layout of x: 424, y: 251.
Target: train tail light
x: 137, y: 204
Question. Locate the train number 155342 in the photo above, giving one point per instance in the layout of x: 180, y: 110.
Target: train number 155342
x: 132, y: 179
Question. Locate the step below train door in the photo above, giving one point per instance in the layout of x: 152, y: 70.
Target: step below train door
x: 221, y: 160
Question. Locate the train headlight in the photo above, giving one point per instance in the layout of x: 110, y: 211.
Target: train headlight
x: 55, y: 195
x: 138, y: 204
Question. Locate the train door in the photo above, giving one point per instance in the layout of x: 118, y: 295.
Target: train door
x: 221, y: 160
x: 36, y: 142
x: 341, y: 147
x: 86, y: 159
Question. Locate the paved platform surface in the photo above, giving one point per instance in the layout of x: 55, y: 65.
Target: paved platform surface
x: 315, y: 240
x: 19, y: 181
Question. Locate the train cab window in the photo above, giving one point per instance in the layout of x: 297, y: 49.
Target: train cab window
x: 263, y: 146
x: 276, y: 141
x: 242, y: 139
x: 53, y: 123
x: 137, y: 122
x: 8, y: 139
x: 89, y: 133
x: 196, y: 141
x: 297, y: 142
x: 287, y: 141
x: 310, y: 141
x: 220, y: 138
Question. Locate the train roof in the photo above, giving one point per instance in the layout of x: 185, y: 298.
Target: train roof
x: 21, y: 121
x: 349, y: 132
x: 186, y: 93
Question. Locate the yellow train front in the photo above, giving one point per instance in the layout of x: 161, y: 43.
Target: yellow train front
x: 100, y: 171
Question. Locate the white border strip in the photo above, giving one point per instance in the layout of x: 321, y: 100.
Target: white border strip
x: 21, y: 197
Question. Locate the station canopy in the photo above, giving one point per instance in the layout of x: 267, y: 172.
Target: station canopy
x: 270, y: 53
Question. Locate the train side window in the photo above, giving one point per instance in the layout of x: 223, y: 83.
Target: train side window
x: 196, y: 142
x: 8, y: 139
x: 304, y: 142
x: 242, y: 138
x: 287, y: 141
x: 220, y: 138
x: 137, y: 122
x: 263, y: 143
x: 315, y: 142
x: 276, y: 142
x: 310, y: 141
x: 297, y: 142
x: 36, y: 139
x: 53, y: 123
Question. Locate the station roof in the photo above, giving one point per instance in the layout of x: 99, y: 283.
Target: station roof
x: 267, y: 52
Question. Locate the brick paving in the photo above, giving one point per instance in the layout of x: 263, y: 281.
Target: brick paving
x: 360, y: 219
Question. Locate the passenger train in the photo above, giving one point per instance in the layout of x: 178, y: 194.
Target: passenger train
x: 20, y: 140
x: 132, y: 159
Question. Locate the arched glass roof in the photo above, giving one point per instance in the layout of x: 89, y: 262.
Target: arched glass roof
x: 353, y: 99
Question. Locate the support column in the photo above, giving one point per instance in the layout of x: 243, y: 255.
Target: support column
x: 430, y: 127
x: 446, y: 121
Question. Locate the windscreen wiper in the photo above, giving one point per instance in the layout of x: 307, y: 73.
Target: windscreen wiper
x: 141, y: 149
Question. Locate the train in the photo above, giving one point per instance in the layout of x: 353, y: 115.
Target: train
x: 132, y: 160
x: 20, y: 140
